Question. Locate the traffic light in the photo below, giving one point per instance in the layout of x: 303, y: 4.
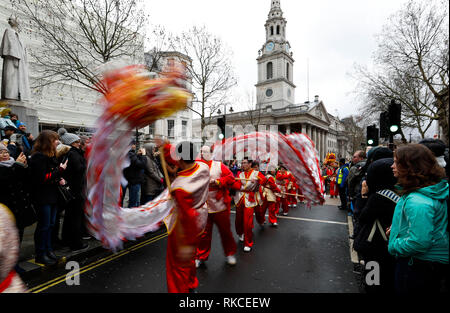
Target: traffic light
x: 221, y: 124
x: 394, y: 114
x: 372, y: 136
x: 384, y: 125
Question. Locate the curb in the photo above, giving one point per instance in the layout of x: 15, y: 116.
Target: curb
x: 34, y: 270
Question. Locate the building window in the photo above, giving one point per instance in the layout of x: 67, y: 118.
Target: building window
x: 269, y: 70
x: 171, y: 129
x: 278, y: 29
x: 287, y: 71
x: 151, y: 129
x: 184, y: 129
x: 271, y: 30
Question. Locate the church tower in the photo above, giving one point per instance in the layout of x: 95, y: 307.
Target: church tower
x: 275, y: 85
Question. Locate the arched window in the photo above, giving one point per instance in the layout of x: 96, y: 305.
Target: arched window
x: 278, y: 29
x: 287, y: 71
x: 271, y: 30
x: 269, y: 70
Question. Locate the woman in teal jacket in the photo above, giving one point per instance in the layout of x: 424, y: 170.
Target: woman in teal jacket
x: 418, y: 235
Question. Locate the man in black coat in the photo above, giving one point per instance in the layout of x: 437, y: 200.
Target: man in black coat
x: 134, y: 174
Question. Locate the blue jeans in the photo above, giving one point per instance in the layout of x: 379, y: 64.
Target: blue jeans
x: 133, y: 197
x: 46, y: 216
x: 149, y: 198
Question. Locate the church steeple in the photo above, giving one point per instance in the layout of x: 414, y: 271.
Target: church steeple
x: 276, y: 23
x: 275, y: 85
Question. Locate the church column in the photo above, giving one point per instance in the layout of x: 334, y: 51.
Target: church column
x: 314, y: 130
x: 323, y: 145
x: 288, y: 129
x: 319, y: 143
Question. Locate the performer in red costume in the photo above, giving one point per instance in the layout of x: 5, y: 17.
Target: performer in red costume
x: 282, y: 182
x: 334, y: 191
x: 291, y: 189
x: 188, y: 218
x: 218, y: 210
x: 247, y: 184
x: 259, y: 215
x: 270, y: 200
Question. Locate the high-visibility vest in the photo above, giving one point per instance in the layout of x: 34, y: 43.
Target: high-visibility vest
x: 341, y: 174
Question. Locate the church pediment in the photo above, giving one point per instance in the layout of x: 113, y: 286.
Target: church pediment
x: 318, y: 110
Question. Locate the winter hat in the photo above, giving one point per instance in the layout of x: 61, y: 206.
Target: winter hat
x: 3, y: 147
x: 9, y: 127
x: 67, y: 138
x: 380, y: 175
x: 436, y: 146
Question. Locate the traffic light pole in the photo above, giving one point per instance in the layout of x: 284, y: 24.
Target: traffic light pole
x: 391, y: 141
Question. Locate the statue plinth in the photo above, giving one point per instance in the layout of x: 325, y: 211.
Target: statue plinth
x: 26, y: 115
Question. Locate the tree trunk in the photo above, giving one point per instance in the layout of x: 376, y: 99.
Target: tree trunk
x: 443, y: 115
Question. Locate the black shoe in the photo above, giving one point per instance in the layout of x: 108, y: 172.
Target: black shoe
x: 45, y: 260
x: 80, y: 248
x: 52, y: 255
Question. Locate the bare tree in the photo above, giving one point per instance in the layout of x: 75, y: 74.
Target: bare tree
x: 79, y: 36
x: 411, y: 66
x: 159, y: 38
x: 254, y: 112
x: 211, y: 71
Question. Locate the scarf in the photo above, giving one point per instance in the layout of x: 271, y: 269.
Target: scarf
x: 8, y: 163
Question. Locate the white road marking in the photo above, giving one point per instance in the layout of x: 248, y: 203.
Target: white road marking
x: 306, y: 219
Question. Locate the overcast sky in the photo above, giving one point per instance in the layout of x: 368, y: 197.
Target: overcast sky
x: 332, y: 34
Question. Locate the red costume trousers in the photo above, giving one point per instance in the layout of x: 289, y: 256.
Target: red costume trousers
x: 292, y: 199
x: 334, y: 191
x: 260, y: 212
x: 285, y: 205
x: 244, y: 223
x: 273, y: 211
x: 222, y: 220
x: 181, y: 276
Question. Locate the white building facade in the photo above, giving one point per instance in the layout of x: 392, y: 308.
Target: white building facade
x: 178, y: 127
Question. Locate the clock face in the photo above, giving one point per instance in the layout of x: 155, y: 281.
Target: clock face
x: 269, y: 92
x: 270, y: 46
x: 287, y: 47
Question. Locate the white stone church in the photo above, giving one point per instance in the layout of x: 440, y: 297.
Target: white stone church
x: 275, y: 90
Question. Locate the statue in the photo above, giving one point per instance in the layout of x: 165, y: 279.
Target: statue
x: 15, y: 84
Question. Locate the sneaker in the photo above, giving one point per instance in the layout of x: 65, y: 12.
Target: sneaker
x: 45, y: 260
x: 241, y: 238
x: 231, y: 260
x: 275, y: 224
x: 285, y: 214
x: 294, y: 206
x: 247, y: 249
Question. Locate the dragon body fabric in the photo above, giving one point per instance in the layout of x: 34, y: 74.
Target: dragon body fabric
x: 295, y: 151
x: 132, y: 100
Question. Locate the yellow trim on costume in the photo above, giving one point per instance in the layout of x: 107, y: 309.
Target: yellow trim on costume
x: 189, y: 169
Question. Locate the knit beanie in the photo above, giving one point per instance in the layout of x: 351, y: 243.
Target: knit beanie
x: 3, y: 147
x: 67, y: 138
